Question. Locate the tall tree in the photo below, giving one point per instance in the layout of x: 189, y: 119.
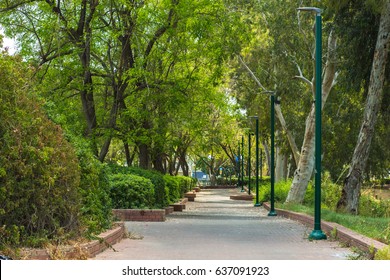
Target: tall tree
x: 353, y: 182
x: 305, y: 166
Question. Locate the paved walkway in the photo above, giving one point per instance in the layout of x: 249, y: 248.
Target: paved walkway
x: 217, y: 228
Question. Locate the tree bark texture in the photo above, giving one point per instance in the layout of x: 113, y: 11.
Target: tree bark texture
x: 267, y: 156
x: 281, y: 165
x: 290, y: 137
x: 305, y: 166
x: 352, y: 184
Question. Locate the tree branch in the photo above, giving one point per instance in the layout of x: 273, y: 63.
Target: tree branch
x: 303, y: 78
x: 9, y: 7
x: 251, y: 73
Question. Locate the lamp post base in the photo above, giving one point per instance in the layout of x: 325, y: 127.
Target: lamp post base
x: 272, y: 213
x: 317, y: 234
x: 258, y: 204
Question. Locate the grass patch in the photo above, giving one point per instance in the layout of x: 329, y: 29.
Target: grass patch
x: 373, y: 227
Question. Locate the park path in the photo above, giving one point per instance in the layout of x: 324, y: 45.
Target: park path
x: 214, y: 227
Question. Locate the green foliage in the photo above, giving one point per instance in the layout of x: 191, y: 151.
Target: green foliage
x: 95, y: 192
x: 131, y: 192
x: 372, y: 207
x: 383, y: 254
x: 186, y: 183
x: 161, y: 195
x: 40, y: 172
x: 377, y: 228
x: 281, y: 191
x: 174, y: 188
x: 330, y: 192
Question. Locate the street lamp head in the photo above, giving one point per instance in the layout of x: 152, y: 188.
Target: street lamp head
x: 318, y: 11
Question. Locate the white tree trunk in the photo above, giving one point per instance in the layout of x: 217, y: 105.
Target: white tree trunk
x: 281, y: 166
x: 290, y: 137
x: 352, y: 184
x: 305, y: 166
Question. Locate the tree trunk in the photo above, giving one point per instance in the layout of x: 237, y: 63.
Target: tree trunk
x: 352, y: 184
x: 267, y: 156
x: 158, y: 158
x: 305, y: 166
x: 281, y: 166
x: 290, y: 137
x: 184, y: 165
x: 129, y: 156
x: 144, y: 158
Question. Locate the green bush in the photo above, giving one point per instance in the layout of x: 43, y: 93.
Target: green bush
x: 281, y: 191
x: 130, y: 191
x: 39, y: 174
x: 174, y: 188
x: 96, y: 210
x: 186, y: 184
x: 372, y: 207
x: 161, y: 194
x: 331, y: 192
x: 383, y: 254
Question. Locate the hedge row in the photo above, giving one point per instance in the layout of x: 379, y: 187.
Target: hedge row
x: 166, y: 189
x: 51, y: 188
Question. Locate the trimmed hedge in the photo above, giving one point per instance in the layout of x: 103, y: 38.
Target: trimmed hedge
x: 130, y: 191
x: 174, y: 188
x: 161, y: 192
x: 178, y: 186
x: 167, y: 189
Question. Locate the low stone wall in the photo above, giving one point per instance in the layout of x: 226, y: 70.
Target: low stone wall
x: 77, y: 251
x: 247, y: 197
x: 140, y: 215
x: 343, y: 234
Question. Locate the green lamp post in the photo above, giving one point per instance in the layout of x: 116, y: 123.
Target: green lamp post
x: 317, y: 233
x: 272, y: 211
x: 249, y: 162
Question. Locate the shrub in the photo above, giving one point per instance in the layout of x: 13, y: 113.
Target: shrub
x: 383, y: 254
x: 174, y: 188
x: 161, y: 195
x: 186, y: 184
x: 96, y: 210
x: 372, y: 207
x: 331, y: 192
x: 39, y: 174
x: 281, y: 191
x: 130, y: 191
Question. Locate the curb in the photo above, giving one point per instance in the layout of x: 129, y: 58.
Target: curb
x: 82, y: 251
x: 140, y: 215
x: 343, y: 234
